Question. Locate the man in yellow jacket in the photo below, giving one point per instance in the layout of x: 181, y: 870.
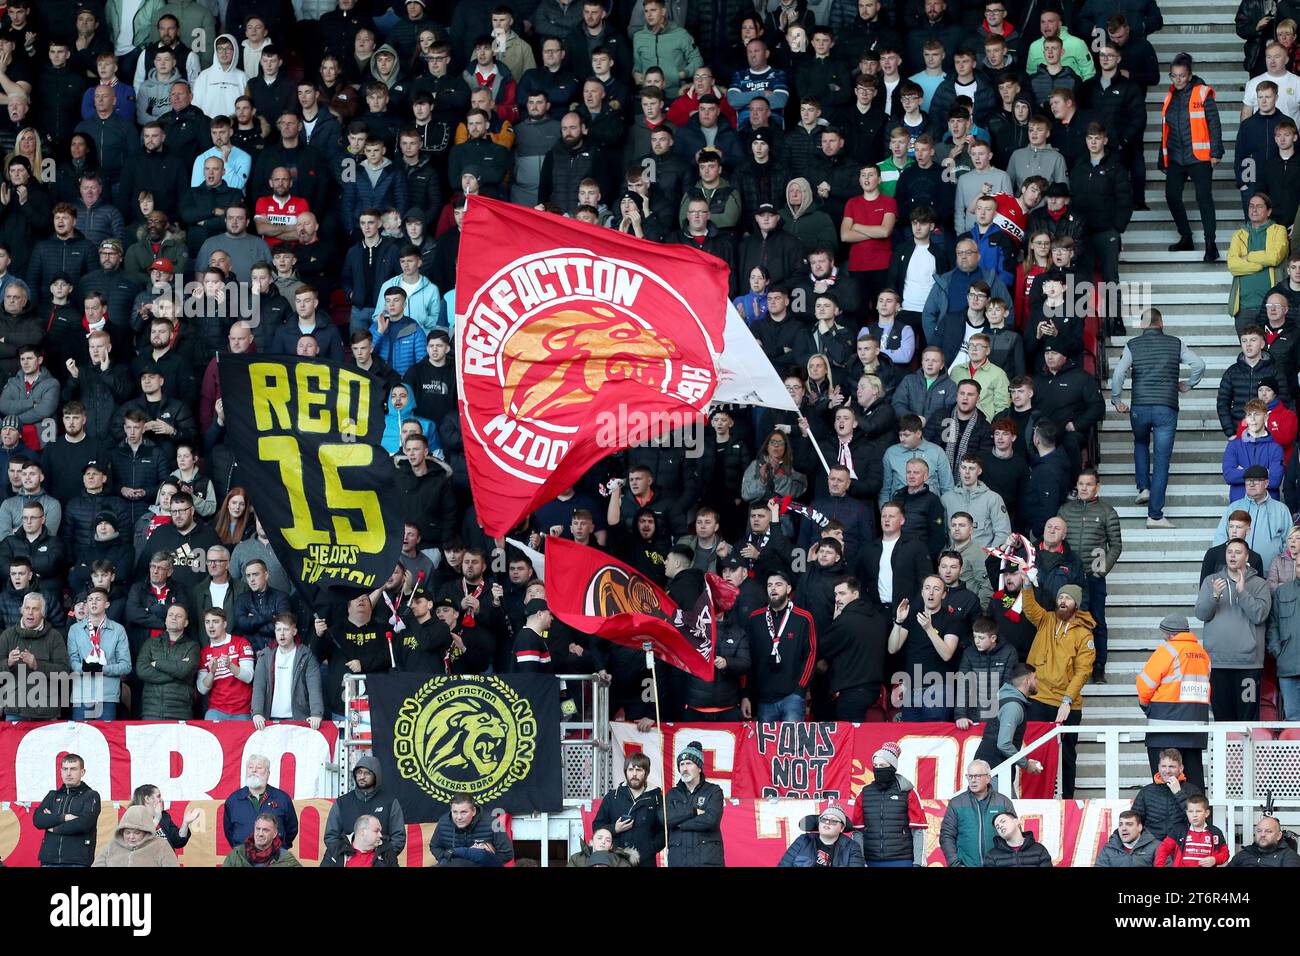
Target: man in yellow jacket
x: 1174, y: 687
x: 1063, y: 654
x: 1255, y: 258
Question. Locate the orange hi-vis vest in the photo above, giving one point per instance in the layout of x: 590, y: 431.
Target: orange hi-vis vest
x: 1200, y: 126
x: 1175, y: 684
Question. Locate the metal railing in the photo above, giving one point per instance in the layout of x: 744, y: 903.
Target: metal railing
x: 585, y: 754
x: 1242, y: 773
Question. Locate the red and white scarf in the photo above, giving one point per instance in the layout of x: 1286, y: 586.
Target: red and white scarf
x: 1026, y: 564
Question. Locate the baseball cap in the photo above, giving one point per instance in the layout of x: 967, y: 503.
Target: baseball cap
x: 765, y: 207
x: 162, y: 265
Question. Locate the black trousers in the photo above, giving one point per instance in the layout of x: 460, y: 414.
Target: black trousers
x: 1037, y: 710
x: 1103, y: 250
x: 729, y: 716
x: 852, y: 703
x: 1234, y: 695
x: 1176, y: 178
x: 1193, y: 764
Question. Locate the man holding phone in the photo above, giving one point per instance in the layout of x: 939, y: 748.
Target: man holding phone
x: 634, y: 812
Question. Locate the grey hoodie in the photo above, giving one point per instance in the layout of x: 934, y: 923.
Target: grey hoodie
x: 1235, y: 623
x: 392, y: 79
x: 395, y: 834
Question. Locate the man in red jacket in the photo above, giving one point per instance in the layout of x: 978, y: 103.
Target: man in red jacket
x: 1200, y: 843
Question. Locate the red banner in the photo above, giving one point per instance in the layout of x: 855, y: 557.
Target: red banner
x: 601, y: 595
x: 574, y: 341
x: 757, y: 832
x: 194, y: 760
x: 757, y: 760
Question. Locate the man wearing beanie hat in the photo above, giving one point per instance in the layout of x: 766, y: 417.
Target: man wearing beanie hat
x: 530, y: 654
x: 1063, y: 653
x: 893, y: 821
x: 1174, y: 687
x: 829, y: 845
x: 694, y: 813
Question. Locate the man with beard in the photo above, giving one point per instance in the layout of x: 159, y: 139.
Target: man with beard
x: 185, y: 541
x: 367, y: 800
x: 1270, y: 849
x: 783, y: 649
x: 633, y: 812
x: 256, y: 797
x: 1006, y: 606
x: 425, y: 640
x: 1062, y: 655
x: 694, y: 812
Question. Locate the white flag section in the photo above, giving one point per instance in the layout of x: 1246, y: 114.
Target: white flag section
x: 536, y: 557
x: 745, y: 374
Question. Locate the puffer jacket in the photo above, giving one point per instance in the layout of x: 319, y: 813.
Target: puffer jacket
x: 1234, y: 632
x: 695, y: 839
x: 152, y: 851
x: 1032, y: 853
x: 30, y: 405
x: 966, y: 835
x: 1279, y: 855
x: 1093, y: 529
x: 1115, y: 854
x: 452, y: 846
x: 1179, y: 124
x: 167, y: 669
x: 803, y: 852
x: 376, y: 802
x: 49, y: 648
x: 1162, y: 810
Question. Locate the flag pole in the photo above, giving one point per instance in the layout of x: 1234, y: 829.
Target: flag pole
x: 654, y: 685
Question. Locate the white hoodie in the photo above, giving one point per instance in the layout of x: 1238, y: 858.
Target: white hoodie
x: 217, y: 87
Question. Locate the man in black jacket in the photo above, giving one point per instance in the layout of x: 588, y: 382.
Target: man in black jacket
x: 853, y: 649
x: 771, y: 247
x: 1241, y: 380
x: 694, y: 811
x: 368, y: 798
x: 154, y: 169
x: 782, y: 649
x: 425, y: 488
x: 1163, y: 802
x: 1103, y: 196
x: 633, y: 813
x: 909, y: 562
x: 1270, y: 849
x: 70, y: 817
x: 1051, y: 477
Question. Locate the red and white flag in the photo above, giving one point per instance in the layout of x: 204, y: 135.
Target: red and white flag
x: 564, y: 329
x: 600, y: 595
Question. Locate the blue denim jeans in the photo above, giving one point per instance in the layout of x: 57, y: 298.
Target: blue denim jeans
x: 786, y: 708
x: 1290, y: 688
x: 94, y: 711
x: 214, y: 714
x: 1162, y: 421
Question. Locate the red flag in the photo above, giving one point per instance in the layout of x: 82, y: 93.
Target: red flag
x: 573, y: 342
x: 599, y: 595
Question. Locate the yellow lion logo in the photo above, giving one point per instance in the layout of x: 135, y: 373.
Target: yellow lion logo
x: 561, y: 360
x: 465, y: 735
x: 462, y: 736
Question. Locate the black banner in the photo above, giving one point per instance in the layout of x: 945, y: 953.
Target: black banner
x: 495, y: 738
x: 306, y: 432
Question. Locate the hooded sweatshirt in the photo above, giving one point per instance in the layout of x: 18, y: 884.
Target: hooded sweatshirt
x: 217, y: 87
x: 805, y: 220
x: 375, y: 802
x: 152, y: 851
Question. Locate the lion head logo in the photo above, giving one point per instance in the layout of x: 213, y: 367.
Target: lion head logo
x: 561, y: 360
x: 464, y: 737
x: 467, y: 735
x: 613, y: 591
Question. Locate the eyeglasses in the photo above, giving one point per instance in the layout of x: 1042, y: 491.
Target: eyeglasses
x: 976, y: 776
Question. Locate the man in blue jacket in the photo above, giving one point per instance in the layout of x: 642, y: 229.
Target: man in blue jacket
x: 399, y: 340
x: 468, y: 837
x: 258, y: 797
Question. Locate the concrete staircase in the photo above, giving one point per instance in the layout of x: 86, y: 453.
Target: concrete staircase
x: 1159, y: 571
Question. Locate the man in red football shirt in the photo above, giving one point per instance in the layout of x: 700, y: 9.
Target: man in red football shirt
x: 276, y: 216
x: 225, y: 671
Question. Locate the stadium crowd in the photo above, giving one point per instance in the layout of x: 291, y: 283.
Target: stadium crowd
x: 922, y: 205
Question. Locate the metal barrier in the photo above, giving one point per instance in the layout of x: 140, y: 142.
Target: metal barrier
x: 585, y: 755
x: 1245, y: 766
